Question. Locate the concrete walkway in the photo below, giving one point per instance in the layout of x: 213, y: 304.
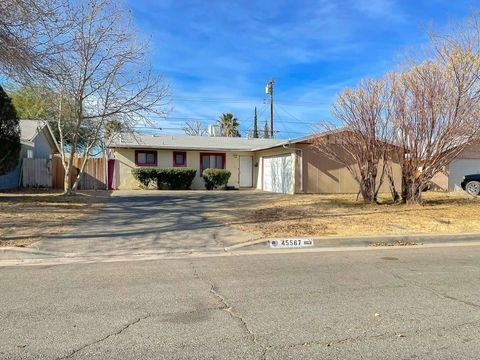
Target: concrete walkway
x: 146, y: 222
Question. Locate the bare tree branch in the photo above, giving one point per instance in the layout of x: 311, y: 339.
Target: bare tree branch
x: 195, y: 128
x: 360, y: 139
x: 88, y: 52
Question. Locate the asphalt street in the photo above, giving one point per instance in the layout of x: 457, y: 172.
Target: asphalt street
x: 421, y: 303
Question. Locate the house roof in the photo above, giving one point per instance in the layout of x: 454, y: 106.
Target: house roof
x: 310, y: 138
x: 185, y: 142
x: 29, y: 129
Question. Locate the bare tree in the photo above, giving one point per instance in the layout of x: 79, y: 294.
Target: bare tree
x: 361, y: 140
x: 436, y: 109
x: 423, y: 118
x: 436, y: 106
x: 103, y: 68
x: 89, y: 54
x: 30, y: 31
x: 195, y: 128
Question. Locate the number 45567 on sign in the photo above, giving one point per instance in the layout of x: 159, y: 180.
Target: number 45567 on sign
x: 290, y: 243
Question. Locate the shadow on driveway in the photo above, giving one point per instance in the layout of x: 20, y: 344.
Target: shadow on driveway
x: 137, y: 222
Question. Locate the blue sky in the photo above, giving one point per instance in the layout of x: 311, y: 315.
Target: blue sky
x: 218, y: 55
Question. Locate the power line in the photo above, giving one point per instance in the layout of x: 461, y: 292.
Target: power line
x: 181, y: 129
x: 211, y: 119
x: 298, y: 121
x: 246, y: 101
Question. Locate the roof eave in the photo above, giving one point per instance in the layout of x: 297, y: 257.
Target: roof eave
x: 283, y: 143
x: 26, y: 142
x: 57, y: 147
x: 140, y: 146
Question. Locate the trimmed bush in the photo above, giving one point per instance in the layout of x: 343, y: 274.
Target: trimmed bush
x: 215, y: 177
x: 145, y: 176
x: 172, y: 178
x: 176, y: 178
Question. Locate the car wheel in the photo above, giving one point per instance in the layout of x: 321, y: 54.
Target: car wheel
x: 473, y: 188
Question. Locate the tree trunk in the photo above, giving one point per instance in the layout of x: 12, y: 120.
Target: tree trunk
x: 411, y: 193
x: 80, y: 173
x: 367, y: 193
x: 415, y: 199
x: 391, y: 184
x: 67, y: 180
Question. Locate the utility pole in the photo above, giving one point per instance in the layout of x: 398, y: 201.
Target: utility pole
x: 269, y: 90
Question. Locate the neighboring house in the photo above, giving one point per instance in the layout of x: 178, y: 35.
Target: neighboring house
x: 38, y: 142
x: 466, y: 163
x: 275, y: 165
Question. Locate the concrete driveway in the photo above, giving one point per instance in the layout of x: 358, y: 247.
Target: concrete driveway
x: 147, y: 222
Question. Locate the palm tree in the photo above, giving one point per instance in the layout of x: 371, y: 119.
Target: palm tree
x: 229, y: 125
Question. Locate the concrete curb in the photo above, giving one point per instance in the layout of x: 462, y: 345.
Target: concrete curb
x: 368, y: 240
x: 31, y: 256
x: 34, y: 254
x: 199, y: 255
x: 248, y: 243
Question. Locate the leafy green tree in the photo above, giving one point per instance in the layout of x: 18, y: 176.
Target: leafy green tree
x: 266, y: 131
x: 39, y: 103
x: 112, y: 127
x: 33, y: 103
x: 9, y: 134
x: 229, y: 125
x: 255, y: 124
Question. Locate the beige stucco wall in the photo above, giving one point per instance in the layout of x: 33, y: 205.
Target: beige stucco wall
x: 325, y: 176
x: 314, y: 172
x: 125, y: 162
x: 470, y: 152
x: 440, y: 181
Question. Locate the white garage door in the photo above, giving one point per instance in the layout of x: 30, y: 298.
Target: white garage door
x: 277, y: 174
x: 458, y: 169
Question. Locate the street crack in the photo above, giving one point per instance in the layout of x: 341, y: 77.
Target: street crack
x: 339, y: 341
x: 433, y: 291
x: 228, y: 308
x: 115, y: 333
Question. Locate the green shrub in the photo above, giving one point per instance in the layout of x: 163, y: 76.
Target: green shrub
x: 172, y: 178
x: 215, y: 177
x: 176, y: 178
x: 145, y: 176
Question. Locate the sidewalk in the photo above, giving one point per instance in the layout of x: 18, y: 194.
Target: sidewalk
x: 28, y: 256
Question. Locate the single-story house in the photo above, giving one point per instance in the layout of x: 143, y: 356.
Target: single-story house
x: 37, y: 142
x: 465, y: 163
x: 274, y: 165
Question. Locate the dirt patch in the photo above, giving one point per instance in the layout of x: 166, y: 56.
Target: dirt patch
x: 28, y: 216
x: 344, y: 215
x: 394, y: 243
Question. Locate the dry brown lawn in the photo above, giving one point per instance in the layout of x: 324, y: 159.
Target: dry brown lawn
x: 28, y: 216
x: 342, y: 215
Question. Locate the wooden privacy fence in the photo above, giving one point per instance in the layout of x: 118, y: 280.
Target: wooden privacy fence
x: 94, y: 176
x: 36, y: 173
